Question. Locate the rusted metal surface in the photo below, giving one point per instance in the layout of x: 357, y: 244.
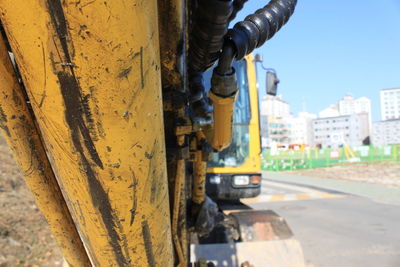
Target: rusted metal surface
x: 176, y: 219
x: 173, y: 43
x: 265, y: 240
x: 277, y: 253
x: 199, y: 183
x: 173, y: 47
x: 261, y: 225
x: 92, y: 73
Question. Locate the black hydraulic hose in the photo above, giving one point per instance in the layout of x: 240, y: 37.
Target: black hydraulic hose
x: 226, y: 59
x: 237, y: 6
x: 261, y: 26
x: 210, y: 41
x: 210, y: 25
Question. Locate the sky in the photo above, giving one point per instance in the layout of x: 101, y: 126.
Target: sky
x: 330, y: 48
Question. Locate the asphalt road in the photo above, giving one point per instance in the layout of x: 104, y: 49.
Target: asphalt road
x: 336, y: 229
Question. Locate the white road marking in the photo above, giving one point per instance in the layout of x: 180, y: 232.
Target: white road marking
x: 276, y: 192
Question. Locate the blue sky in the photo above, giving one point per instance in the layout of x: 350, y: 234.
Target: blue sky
x: 334, y: 47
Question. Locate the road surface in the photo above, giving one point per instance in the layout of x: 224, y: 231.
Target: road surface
x: 336, y: 229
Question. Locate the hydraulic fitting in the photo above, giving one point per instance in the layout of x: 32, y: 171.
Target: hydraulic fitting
x: 222, y: 94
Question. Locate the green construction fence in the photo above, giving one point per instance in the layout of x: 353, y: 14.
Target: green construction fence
x: 288, y: 160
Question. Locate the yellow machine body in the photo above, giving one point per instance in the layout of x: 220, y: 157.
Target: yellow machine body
x: 92, y: 74
x: 19, y: 129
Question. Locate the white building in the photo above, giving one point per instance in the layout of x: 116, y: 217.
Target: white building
x: 276, y: 131
x: 301, y: 128
x: 275, y: 118
x: 274, y: 106
x: 386, y: 132
x: 331, y: 111
x: 349, y: 105
x: 352, y: 130
x: 390, y: 104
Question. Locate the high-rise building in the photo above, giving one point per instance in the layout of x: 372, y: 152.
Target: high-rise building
x: 352, y: 130
x: 386, y: 132
x: 331, y: 111
x: 276, y: 130
x: 274, y: 106
x: 275, y: 116
x: 301, y: 128
x: 349, y: 105
x: 390, y: 104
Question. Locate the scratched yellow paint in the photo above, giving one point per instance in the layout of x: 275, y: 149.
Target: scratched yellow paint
x: 92, y: 73
x: 253, y: 162
x: 199, y: 183
x: 19, y: 130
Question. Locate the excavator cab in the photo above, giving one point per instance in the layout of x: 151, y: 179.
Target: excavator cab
x: 235, y: 172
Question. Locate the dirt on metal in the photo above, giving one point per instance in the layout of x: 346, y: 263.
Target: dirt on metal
x: 25, y: 239
x: 378, y: 173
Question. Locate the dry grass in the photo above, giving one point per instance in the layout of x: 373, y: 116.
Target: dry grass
x: 379, y: 173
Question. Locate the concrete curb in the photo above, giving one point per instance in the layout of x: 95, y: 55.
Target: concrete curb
x: 378, y: 193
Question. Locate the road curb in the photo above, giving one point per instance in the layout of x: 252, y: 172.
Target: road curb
x: 376, y: 192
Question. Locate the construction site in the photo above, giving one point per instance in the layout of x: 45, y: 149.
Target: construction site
x: 26, y: 241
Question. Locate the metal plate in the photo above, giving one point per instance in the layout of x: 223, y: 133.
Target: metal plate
x: 278, y: 253
x: 261, y: 225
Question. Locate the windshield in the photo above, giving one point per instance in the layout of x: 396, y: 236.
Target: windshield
x: 238, y: 151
